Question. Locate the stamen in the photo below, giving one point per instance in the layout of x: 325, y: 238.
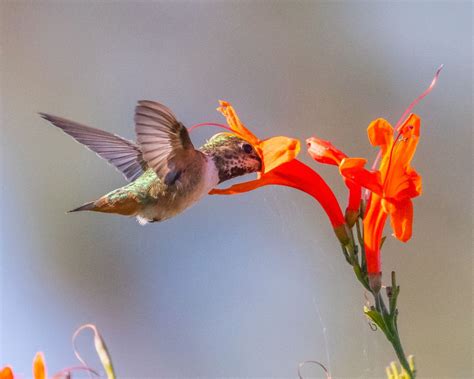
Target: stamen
x: 210, y: 124
x: 366, y: 193
x: 419, y: 98
x: 409, y: 109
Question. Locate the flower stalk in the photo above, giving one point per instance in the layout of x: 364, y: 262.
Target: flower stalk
x: 383, y: 315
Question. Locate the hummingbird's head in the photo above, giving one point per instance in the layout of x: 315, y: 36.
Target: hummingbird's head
x: 232, y: 155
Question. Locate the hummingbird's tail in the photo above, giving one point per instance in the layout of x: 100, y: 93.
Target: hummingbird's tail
x: 86, y: 207
x: 119, y: 201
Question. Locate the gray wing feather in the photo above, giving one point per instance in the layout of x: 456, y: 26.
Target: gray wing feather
x: 125, y: 155
x: 163, y: 140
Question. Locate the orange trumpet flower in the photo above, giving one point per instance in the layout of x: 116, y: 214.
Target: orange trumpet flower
x: 273, y: 151
x: 279, y: 167
x: 392, y: 186
x: 324, y: 152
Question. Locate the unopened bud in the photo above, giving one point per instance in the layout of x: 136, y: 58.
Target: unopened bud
x: 351, y: 217
x: 342, y: 235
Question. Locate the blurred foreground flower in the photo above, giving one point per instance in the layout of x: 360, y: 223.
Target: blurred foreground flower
x: 395, y: 372
x: 39, y: 366
x: 6, y: 373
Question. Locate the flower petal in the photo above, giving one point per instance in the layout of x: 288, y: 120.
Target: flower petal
x: 39, y: 367
x: 242, y: 187
x: 380, y: 133
x: 353, y: 169
x: 407, y: 186
x: 235, y: 124
x: 273, y: 151
x: 6, y: 373
x: 374, y: 222
x: 278, y: 150
x: 324, y: 152
x: 411, y: 126
x: 297, y: 175
x: 400, y: 180
x: 355, y: 194
x: 401, y: 219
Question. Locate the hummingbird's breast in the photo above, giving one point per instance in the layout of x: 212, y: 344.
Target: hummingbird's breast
x: 161, y: 201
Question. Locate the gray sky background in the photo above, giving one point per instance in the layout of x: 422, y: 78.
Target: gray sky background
x: 243, y: 286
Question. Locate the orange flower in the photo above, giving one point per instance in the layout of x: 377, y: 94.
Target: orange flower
x: 297, y: 175
x: 39, y: 369
x: 324, y: 152
x: 6, y: 373
x: 273, y: 151
x: 280, y: 167
x: 392, y: 186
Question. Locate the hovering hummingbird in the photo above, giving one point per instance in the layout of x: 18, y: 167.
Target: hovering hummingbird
x: 166, y: 173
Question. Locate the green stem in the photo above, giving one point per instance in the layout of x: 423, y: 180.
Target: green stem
x: 388, y: 316
x: 360, y: 237
x: 397, y: 346
x: 360, y: 276
x: 351, y: 257
x: 392, y: 328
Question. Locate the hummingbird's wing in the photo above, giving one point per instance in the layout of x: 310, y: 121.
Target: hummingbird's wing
x: 121, y: 153
x: 163, y: 140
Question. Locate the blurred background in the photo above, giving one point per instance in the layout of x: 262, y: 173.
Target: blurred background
x: 241, y: 286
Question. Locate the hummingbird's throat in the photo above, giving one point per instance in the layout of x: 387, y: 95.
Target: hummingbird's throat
x: 229, y: 169
x: 231, y: 160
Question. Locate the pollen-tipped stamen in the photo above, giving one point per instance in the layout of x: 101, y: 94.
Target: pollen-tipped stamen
x: 409, y: 109
x: 210, y: 124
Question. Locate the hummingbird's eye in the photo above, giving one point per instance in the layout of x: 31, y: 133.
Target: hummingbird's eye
x: 247, y: 148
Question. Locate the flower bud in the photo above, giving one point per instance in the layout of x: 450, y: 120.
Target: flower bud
x: 324, y: 152
x: 341, y: 234
x: 351, y: 217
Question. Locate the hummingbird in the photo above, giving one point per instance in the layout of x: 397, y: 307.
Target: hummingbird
x: 166, y: 173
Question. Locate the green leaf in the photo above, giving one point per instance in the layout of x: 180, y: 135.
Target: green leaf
x: 377, y: 318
